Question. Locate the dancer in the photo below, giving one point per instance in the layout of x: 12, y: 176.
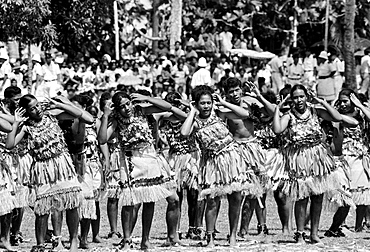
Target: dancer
x: 350, y: 142
x: 308, y: 161
x: 222, y: 169
x: 144, y: 179
x: 52, y: 172
x: 252, y: 153
x: 7, y: 199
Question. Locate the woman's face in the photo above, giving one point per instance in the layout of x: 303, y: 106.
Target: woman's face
x: 34, y: 110
x: 299, y: 99
x: 345, y: 104
x: 125, y: 108
x: 205, y: 106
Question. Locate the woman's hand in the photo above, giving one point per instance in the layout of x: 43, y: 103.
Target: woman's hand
x: 138, y: 97
x: 19, y: 115
x: 218, y: 99
x: 193, y: 108
x: 108, y: 108
x: 283, y: 101
x: 355, y: 100
x: 53, y: 104
x: 254, y: 88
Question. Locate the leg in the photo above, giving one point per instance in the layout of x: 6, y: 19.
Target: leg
x: 134, y: 216
x: 147, y: 219
x: 112, y: 209
x: 95, y: 224
x: 339, y: 217
x: 211, y: 216
x: 85, y: 226
x: 308, y: 216
x: 201, y: 208
x: 247, y: 212
x: 235, y: 200
x: 316, y: 207
x: 57, y: 222
x: 5, y: 222
x: 284, y: 207
x: 367, y: 216
x: 172, y: 217
x: 180, y: 195
x: 300, y: 217
x: 126, y: 218
x: 192, y: 198
x: 72, y: 218
x: 261, y: 214
x: 17, y: 217
x: 41, y: 226
x: 360, y: 214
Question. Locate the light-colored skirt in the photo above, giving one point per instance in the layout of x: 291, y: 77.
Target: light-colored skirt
x: 146, y: 177
x: 225, y: 173
x: 7, y: 195
x: 113, y: 178
x: 360, y: 180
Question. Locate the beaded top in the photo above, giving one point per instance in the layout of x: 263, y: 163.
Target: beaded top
x: 213, y: 134
x: 305, y: 129
x: 354, y: 140
x: 91, y: 141
x: 178, y: 143
x: 45, y: 138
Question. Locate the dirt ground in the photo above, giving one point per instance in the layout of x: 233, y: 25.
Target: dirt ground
x: 272, y: 242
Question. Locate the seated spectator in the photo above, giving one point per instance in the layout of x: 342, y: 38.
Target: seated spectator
x: 178, y: 52
x: 190, y: 52
x: 162, y: 49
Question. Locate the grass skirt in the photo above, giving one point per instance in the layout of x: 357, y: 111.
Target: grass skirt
x: 309, y: 171
x: 24, y: 167
x: 93, y: 176
x: 186, y: 168
x: 254, y: 158
x: 7, y: 199
x: 226, y: 172
x: 113, y: 178
x: 360, y: 182
x: 56, y: 184
x: 147, y: 177
x: 342, y: 196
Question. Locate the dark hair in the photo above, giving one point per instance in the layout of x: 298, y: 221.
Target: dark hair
x: 25, y: 101
x: 11, y: 91
x: 84, y: 100
x: 285, y: 91
x: 172, y: 98
x: 10, y: 105
x: 116, y: 99
x: 346, y: 92
x: 93, y: 110
x: 298, y: 87
x: 231, y: 82
x: 106, y: 96
x: 199, y: 91
x: 270, y: 96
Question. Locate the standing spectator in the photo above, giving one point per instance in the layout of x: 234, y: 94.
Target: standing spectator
x: 295, y: 71
x: 37, y: 73
x: 338, y: 65
x: 277, y: 73
x: 225, y: 40
x: 5, y: 70
x: 252, y: 42
x: 209, y: 46
x: 309, y: 67
x: 52, y: 79
x: 180, y: 73
x: 325, y: 73
x: 364, y: 71
x: 190, y: 52
x: 241, y: 42
x: 264, y: 73
x: 202, y: 76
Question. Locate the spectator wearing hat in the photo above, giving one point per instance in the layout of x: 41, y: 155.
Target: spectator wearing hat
x: 325, y: 72
x: 202, y: 76
x: 277, y: 73
x: 52, y: 79
x: 295, y: 71
x: 339, y: 72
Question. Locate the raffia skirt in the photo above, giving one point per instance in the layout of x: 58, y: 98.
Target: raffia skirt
x: 146, y: 177
x: 360, y: 178
x: 7, y: 195
x: 56, y: 184
x: 186, y: 169
x: 342, y: 197
x: 309, y: 170
x: 226, y: 172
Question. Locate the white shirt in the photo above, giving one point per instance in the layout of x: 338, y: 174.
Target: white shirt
x: 339, y: 66
x: 226, y: 38
x: 309, y: 63
x: 37, y: 70
x: 325, y: 69
x: 201, y: 77
x: 365, y: 64
x: 51, y: 71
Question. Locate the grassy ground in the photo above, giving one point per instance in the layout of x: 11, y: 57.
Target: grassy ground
x: 273, y: 242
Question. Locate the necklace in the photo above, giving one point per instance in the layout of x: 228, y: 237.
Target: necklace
x: 304, y: 116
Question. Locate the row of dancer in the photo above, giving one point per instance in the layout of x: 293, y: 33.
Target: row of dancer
x: 213, y: 153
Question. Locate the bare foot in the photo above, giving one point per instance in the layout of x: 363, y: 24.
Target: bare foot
x: 232, y: 240
x: 211, y: 244
x: 74, y: 245
x: 5, y: 244
x: 315, y: 239
x: 58, y: 245
x: 97, y: 239
x: 145, y: 245
x: 84, y: 244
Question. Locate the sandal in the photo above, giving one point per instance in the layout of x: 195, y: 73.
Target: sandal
x: 300, y: 237
x: 118, y: 234
x: 38, y: 248
x: 125, y: 241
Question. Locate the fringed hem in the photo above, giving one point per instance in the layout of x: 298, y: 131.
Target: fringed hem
x: 58, y: 200
x: 253, y: 155
x: 361, y: 196
x: 88, y: 209
x: 186, y: 167
x: 21, y: 196
x: 143, y: 194
x: 302, y: 188
x: 252, y: 189
x: 113, y: 192
x: 7, y: 202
